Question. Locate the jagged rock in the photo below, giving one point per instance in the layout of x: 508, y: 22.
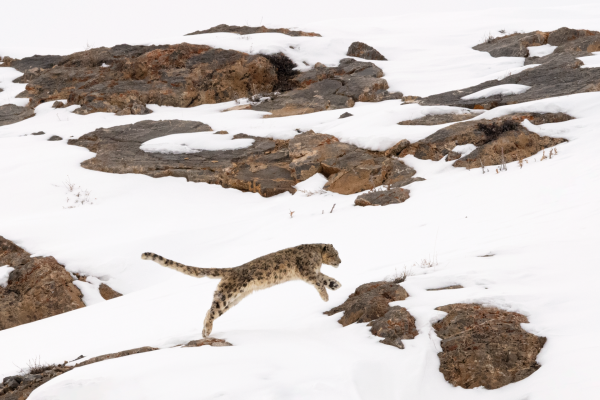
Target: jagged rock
x: 558, y: 74
x: 395, y: 325
x: 362, y: 50
x: 485, y: 346
x: 249, y: 30
x: 268, y: 167
x: 369, y: 303
x: 107, y: 292
x: 345, y: 115
x: 110, y: 356
x: 323, y: 88
x: 54, y: 138
x: 348, y: 169
x: 37, y: 288
x: 516, y: 142
x: 123, y: 79
x: 260, y: 168
x: 383, y: 197
x: 11, y: 114
x: 438, y: 119
x: 208, y: 342
x: 397, y: 148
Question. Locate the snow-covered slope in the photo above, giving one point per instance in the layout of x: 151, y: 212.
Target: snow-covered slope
x: 539, y: 222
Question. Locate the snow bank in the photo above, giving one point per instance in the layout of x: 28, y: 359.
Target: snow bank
x: 4, y: 273
x: 503, y: 90
x: 181, y: 143
x: 541, y: 51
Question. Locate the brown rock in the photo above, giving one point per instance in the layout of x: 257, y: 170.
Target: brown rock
x: 37, y: 288
x: 249, y: 30
x: 397, y: 148
x: 383, y: 197
x: 107, y: 292
x: 484, y: 346
x: 208, y: 342
x: 180, y: 75
x: 558, y: 74
x: 395, y: 325
x: 11, y: 114
x: 438, y: 119
x: 362, y: 50
x: 324, y: 88
x: 58, y: 104
x: 368, y: 302
x: 514, y: 140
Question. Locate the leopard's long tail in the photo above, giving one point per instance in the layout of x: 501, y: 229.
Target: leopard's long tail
x: 186, y: 269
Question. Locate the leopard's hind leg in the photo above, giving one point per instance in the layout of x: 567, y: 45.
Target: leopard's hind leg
x: 226, y: 296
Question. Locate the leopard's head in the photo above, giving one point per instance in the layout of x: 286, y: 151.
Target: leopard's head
x: 330, y: 255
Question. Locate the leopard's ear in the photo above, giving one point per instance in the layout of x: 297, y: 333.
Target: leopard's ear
x: 325, y: 247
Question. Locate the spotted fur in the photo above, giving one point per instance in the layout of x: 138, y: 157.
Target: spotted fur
x: 296, y: 263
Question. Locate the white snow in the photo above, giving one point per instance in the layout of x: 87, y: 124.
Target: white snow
x: 539, y: 221
x: 591, y: 61
x: 503, y: 90
x: 541, y: 51
x: 4, y: 273
x: 465, y: 148
x: 181, y: 143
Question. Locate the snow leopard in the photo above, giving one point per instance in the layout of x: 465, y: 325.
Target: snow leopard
x: 295, y: 263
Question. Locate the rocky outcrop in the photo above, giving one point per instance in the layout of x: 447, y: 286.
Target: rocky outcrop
x: 438, y: 119
x: 496, y: 138
x: 249, y: 30
x: 557, y: 74
x: 268, y: 167
x: 37, y: 288
x: 383, y: 197
x: 11, y: 114
x: 107, y: 292
x: 363, y: 50
x: 207, y: 342
x: 124, y: 79
x: 330, y: 88
x: 370, y: 303
x: 485, y: 346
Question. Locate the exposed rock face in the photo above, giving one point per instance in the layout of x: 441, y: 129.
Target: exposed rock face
x: 249, y: 30
x: 107, y: 292
x: 369, y: 303
x: 37, y: 288
x: 515, y: 143
x: 397, y: 148
x: 268, y: 167
x: 123, y: 79
x: 438, y: 119
x: 383, y: 197
x: 558, y: 74
x: 324, y: 88
x: 11, y: 114
x: 485, y: 346
x: 362, y: 50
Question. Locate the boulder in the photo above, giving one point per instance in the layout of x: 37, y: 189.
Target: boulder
x: 485, y: 346
x: 268, y: 167
x: 557, y: 74
x: 11, y: 114
x: 54, y: 138
x: 362, y: 50
x: 397, y: 148
x: 249, y: 30
x: 107, y: 292
x: 369, y: 303
x: 383, y: 197
x: 124, y: 79
x: 503, y: 136
x: 37, y: 288
x: 346, y: 115
x: 330, y: 88
x: 58, y: 104
x: 438, y: 119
